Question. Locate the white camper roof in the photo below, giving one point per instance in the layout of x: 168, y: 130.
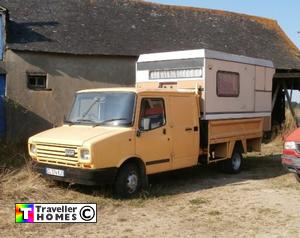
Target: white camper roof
x: 204, y: 53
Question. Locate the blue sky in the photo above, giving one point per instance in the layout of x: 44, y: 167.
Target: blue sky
x: 287, y: 13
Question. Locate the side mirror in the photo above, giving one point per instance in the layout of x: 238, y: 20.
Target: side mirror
x: 138, y: 133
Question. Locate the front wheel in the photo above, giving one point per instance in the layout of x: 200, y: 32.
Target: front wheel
x: 234, y: 164
x: 297, y: 177
x: 128, y: 181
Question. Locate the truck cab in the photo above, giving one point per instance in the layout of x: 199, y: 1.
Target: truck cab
x: 120, y: 136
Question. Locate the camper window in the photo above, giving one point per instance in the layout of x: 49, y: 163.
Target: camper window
x: 228, y: 84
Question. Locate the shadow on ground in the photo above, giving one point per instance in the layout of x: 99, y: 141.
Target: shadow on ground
x: 200, y: 178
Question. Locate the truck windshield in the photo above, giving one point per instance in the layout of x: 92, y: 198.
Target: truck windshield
x: 103, y: 108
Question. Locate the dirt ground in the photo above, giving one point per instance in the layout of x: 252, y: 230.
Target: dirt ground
x: 261, y: 201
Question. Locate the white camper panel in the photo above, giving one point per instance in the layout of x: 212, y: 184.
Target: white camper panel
x: 180, y: 69
x: 242, y: 102
x: 232, y: 86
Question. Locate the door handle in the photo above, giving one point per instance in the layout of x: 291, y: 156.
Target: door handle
x: 188, y: 129
x: 164, y: 131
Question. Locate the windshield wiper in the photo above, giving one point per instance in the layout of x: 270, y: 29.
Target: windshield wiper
x: 90, y: 107
x: 97, y: 123
x: 114, y: 119
x: 85, y: 120
x: 109, y: 120
x: 69, y: 122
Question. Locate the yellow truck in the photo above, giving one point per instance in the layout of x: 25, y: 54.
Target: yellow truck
x: 120, y: 136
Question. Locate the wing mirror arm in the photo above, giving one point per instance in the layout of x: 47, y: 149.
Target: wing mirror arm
x: 138, y: 133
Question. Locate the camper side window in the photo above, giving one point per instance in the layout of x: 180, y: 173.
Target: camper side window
x: 228, y: 84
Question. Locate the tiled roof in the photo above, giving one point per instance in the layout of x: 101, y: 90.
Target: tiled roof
x: 130, y: 28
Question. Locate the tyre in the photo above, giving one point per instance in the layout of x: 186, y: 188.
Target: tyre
x: 297, y: 177
x: 234, y: 164
x: 128, y: 182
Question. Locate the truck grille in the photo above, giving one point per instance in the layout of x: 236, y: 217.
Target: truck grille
x: 57, y: 154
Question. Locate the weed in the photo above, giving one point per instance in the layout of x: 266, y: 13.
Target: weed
x: 214, y: 213
x: 198, y: 201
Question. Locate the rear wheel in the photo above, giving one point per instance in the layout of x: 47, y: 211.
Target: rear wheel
x: 297, y: 177
x: 128, y: 181
x: 234, y: 164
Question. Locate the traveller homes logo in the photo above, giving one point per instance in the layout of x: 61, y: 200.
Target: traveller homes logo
x: 24, y: 213
x: 56, y: 213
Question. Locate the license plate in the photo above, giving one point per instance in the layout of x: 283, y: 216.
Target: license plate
x: 55, y: 172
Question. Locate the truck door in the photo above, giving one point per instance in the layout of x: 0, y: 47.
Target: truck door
x: 153, y: 138
x: 184, y: 131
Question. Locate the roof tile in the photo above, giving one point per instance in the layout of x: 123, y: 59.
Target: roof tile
x: 130, y: 28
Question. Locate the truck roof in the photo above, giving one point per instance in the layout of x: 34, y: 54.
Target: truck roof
x: 141, y: 90
x: 203, y: 53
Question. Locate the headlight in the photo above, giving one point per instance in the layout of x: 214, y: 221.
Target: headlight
x: 33, y: 148
x: 290, y: 145
x: 85, y: 154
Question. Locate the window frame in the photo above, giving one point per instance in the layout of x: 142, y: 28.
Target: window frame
x: 140, y: 114
x: 217, y: 84
x: 35, y: 87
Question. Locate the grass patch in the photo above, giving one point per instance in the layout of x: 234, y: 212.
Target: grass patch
x: 214, y: 213
x: 287, y: 181
x: 122, y: 219
x: 199, y: 201
x: 267, y: 211
x: 12, y: 156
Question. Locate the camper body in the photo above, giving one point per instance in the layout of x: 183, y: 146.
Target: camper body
x: 122, y: 135
x: 232, y: 86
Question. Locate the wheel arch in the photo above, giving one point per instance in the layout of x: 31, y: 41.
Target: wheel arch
x: 237, y: 145
x: 141, y: 166
x: 240, y: 146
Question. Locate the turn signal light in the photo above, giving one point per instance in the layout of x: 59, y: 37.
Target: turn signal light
x: 88, y: 166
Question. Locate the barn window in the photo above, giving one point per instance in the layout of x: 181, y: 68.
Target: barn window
x: 228, y: 84
x: 37, y: 81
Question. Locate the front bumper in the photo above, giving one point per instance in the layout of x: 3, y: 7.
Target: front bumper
x: 291, y: 163
x: 78, y: 175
